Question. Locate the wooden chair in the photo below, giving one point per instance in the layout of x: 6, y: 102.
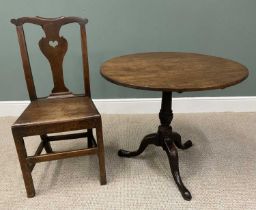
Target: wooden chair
x: 61, y: 111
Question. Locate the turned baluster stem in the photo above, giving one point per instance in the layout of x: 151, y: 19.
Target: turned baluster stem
x: 166, y: 114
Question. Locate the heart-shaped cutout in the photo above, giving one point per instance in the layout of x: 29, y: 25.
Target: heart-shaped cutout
x: 53, y: 43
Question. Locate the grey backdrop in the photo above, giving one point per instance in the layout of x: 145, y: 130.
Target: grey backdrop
x: 225, y: 28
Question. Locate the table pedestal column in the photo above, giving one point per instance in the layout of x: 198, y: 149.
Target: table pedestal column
x: 168, y: 140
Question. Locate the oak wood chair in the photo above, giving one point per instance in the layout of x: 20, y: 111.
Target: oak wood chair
x: 62, y: 110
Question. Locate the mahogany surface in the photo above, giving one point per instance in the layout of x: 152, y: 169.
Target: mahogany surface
x: 173, y: 71
x: 168, y: 72
x: 62, y: 110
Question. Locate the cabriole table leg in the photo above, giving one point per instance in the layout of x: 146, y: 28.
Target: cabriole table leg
x: 168, y: 140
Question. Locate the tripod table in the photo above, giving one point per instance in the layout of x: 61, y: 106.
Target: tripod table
x: 171, y: 72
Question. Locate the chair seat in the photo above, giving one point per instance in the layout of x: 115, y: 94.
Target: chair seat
x: 57, y: 110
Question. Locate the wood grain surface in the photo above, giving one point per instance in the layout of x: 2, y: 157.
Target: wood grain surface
x: 173, y: 71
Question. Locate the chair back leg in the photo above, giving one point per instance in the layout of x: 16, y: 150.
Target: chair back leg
x: 91, y: 140
x: 46, y: 142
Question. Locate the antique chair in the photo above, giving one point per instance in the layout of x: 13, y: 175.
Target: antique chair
x: 61, y: 111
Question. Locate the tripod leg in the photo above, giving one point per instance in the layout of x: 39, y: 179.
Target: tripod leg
x: 177, y: 141
x: 174, y: 164
x: 149, y: 139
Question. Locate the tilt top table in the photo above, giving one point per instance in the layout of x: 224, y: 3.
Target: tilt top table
x: 171, y: 72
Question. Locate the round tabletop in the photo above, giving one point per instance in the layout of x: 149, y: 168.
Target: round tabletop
x: 173, y: 71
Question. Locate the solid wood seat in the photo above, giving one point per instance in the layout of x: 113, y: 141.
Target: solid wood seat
x: 62, y: 110
x: 57, y: 110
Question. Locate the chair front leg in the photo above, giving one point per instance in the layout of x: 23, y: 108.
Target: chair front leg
x: 26, y: 172
x: 101, y: 157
